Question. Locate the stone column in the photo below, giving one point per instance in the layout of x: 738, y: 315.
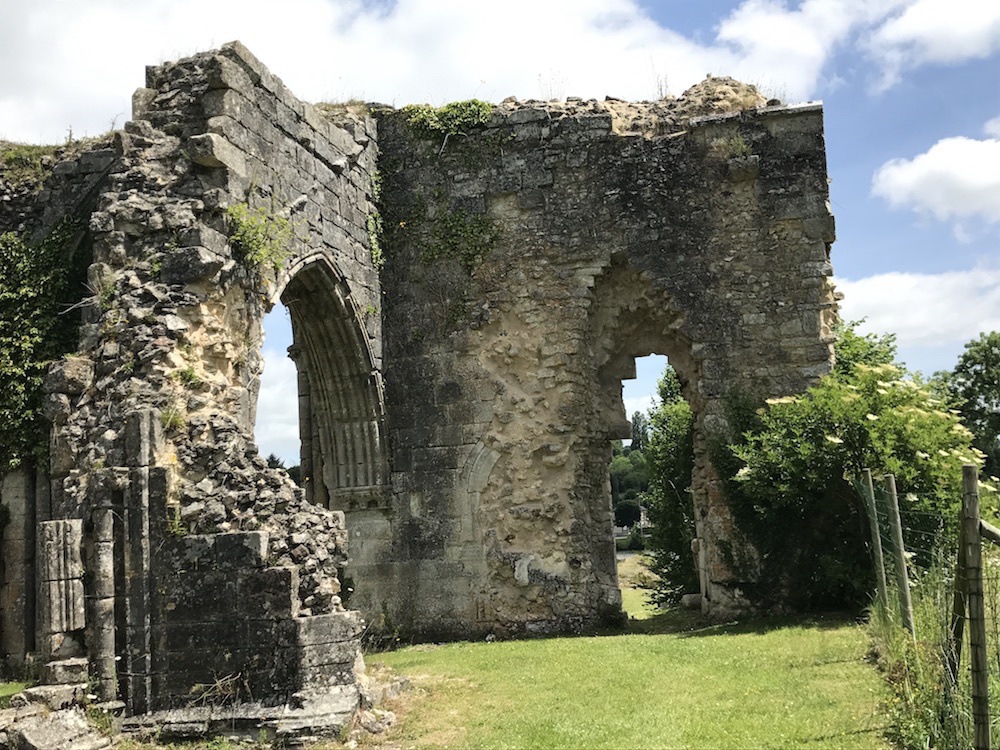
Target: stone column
x: 61, y: 618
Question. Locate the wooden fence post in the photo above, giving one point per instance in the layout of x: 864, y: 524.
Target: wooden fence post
x: 902, y: 579
x: 977, y: 610
x: 869, y: 498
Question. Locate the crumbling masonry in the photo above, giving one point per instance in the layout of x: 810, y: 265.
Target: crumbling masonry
x: 464, y: 304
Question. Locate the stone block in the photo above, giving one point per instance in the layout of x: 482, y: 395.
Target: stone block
x: 59, y: 545
x: 242, y: 549
x: 187, y: 265
x: 342, y: 653
x: 213, y: 151
x: 328, y: 628
x: 61, y: 606
x: 269, y: 593
x: 225, y: 73
x: 142, y: 98
x: 65, y: 671
x: 57, y: 697
x: 72, y: 375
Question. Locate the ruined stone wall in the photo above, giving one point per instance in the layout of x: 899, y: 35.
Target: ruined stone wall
x: 459, y: 432
x: 210, y: 578
x: 529, y: 262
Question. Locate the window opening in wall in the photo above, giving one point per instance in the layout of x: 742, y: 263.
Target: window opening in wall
x: 650, y: 491
x: 277, y: 425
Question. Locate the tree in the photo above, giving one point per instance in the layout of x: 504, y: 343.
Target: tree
x: 670, y: 455
x: 627, y: 513
x: 789, y: 472
x: 853, y: 348
x: 629, y: 475
x: 975, y: 386
x: 640, y: 431
x: 274, y: 462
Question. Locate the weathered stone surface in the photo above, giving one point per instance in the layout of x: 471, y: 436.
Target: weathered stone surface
x: 212, y: 150
x: 190, y: 264
x: 65, y: 672
x: 60, y: 730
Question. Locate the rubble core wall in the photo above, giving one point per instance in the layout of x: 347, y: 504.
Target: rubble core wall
x: 211, y: 579
x: 530, y: 260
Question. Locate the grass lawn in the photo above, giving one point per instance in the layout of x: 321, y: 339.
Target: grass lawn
x: 7, y: 689
x: 669, y: 682
x: 782, y: 684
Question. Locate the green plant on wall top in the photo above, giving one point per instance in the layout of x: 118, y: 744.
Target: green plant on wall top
x: 259, y: 239
x: 23, y: 164
x: 451, y: 119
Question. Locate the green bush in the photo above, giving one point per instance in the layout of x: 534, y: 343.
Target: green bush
x: 795, y: 467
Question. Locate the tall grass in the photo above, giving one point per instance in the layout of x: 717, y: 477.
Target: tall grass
x: 926, y: 710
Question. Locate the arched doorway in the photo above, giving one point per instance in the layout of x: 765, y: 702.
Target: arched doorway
x: 338, y: 389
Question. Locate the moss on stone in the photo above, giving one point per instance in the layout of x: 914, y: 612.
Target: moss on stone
x: 460, y: 235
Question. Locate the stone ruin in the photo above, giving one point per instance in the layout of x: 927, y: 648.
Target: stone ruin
x: 464, y: 306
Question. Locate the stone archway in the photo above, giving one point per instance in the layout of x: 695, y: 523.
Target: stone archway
x: 341, y: 412
x: 529, y: 262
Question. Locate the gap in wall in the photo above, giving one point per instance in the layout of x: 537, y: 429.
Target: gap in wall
x: 277, y: 426
x: 629, y: 475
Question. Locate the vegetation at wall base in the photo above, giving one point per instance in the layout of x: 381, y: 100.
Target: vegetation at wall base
x: 923, y: 709
x: 38, y: 283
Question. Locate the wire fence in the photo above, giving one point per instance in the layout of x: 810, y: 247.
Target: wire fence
x: 937, y: 610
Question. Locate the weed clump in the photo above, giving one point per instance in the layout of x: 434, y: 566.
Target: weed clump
x: 259, y: 240
x: 451, y: 119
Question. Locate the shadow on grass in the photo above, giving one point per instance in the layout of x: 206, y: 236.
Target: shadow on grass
x: 687, y: 624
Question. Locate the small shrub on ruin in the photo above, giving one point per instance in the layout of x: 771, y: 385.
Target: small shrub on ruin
x: 733, y: 147
x: 451, y: 119
x: 258, y: 239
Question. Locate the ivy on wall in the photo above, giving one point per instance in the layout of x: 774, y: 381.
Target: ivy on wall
x: 35, y: 282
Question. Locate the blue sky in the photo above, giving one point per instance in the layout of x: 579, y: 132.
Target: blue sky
x: 911, y: 91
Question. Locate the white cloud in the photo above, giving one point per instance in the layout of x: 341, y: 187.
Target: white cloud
x: 277, y: 428
x: 798, y: 41
x: 992, y: 127
x: 935, y: 32
x: 640, y: 403
x: 79, y: 69
x: 956, y: 178
x: 925, y: 310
